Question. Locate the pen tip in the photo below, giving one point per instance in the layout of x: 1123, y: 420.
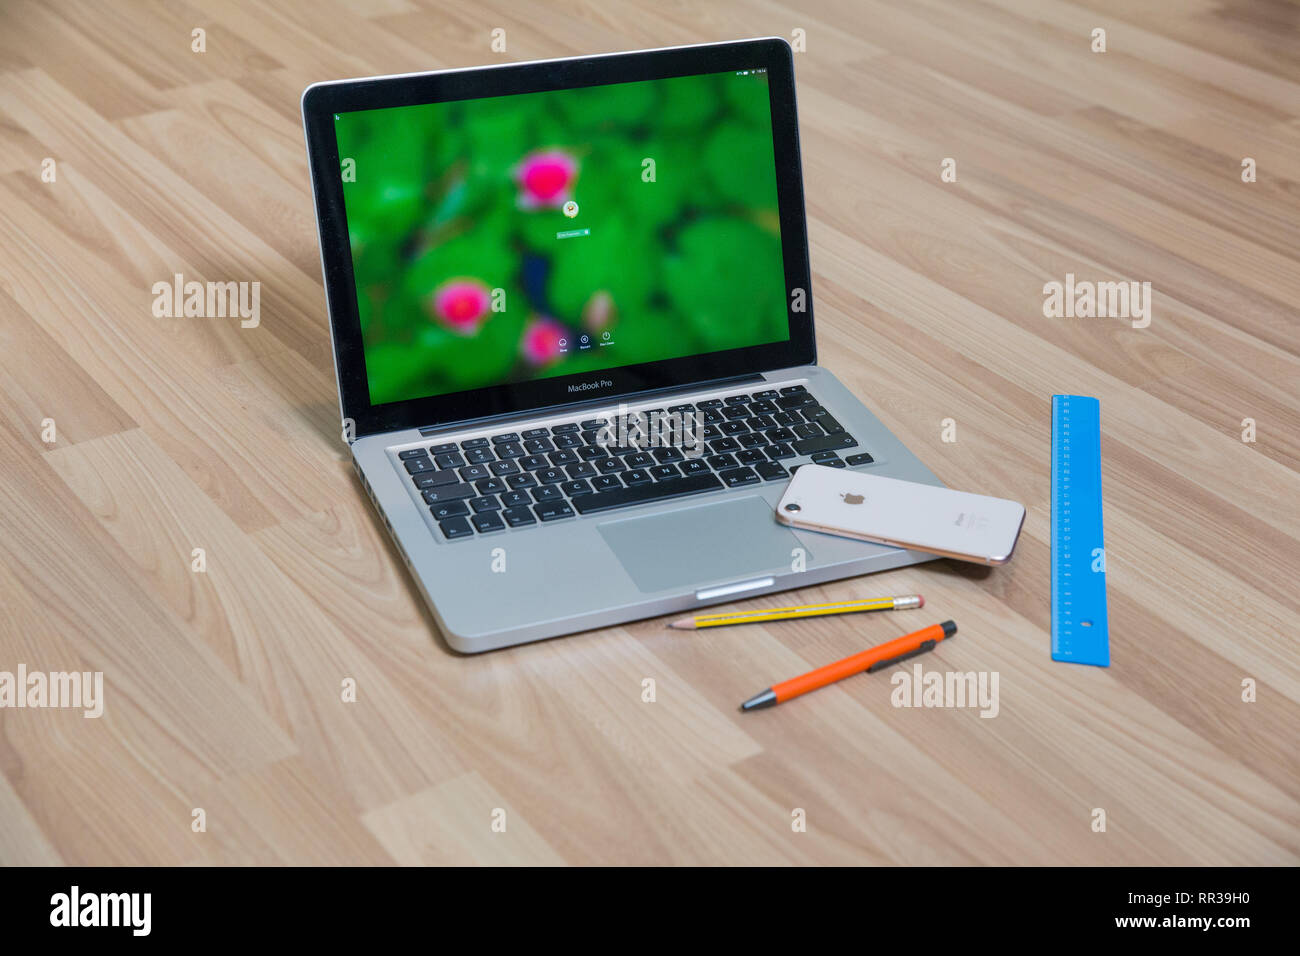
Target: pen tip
x: 766, y: 699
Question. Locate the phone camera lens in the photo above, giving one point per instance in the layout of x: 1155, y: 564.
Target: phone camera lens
x: 792, y: 507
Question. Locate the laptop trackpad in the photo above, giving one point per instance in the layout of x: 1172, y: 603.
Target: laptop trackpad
x: 706, y: 544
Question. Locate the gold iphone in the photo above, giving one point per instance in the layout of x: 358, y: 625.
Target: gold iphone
x: 904, y: 514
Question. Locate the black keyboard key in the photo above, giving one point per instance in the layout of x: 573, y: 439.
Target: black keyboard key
x: 547, y: 493
x: 513, y: 499
x: 536, y: 433
x: 681, y: 409
x: 695, y: 466
x: 809, y: 446
x: 436, y: 496
x: 791, y: 402
x: 533, y: 462
x: 833, y: 463
x: 452, y: 459
x: 736, y: 400
x: 787, y: 418
x: 480, y: 456
x: 510, y: 449
x: 761, y: 422
x: 436, y: 479
x: 658, y: 491
x: 666, y: 456
x: 507, y: 438
x: 591, y: 452
x: 488, y: 521
x: 552, y: 510
x: 490, y: 486
x: 665, y: 472
x: 417, y: 466
x: 780, y: 434
x: 412, y: 453
x: 861, y: 458
x: 486, y: 503
x: 539, y: 446
x: 766, y: 395
x: 564, y: 429
x: 720, y: 462
x: 750, y: 456
x: 808, y: 430
x: 592, y: 424
x: 443, y: 449
x: 639, y: 476
x: 550, y: 476
x: 606, y: 482
x: 793, y: 390
x: 710, y: 403
x: 522, y: 481
x: 576, y: 487
x: 822, y: 457
x: 739, y: 476
x: 610, y: 466
x: 712, y: 417
x: 829, y: 425
x: 474, y: 473
x: 761, y: 408
x: 581, y: 469
x: 566, y: 457
x: 778, y: 451
x: 448, y: 509
x: 771, y: 471
x: 735, y: 412
x: 752, y: 440
x: 724, y: 444
x: 639, y: 459
x: 568, y: 440
x: 734, y: 428
x: 518, y: 517
x: 469, y: 444
x: 454, y: 528
x: 503, y: 468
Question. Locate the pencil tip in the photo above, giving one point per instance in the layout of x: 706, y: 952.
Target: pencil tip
x: 683, y: 623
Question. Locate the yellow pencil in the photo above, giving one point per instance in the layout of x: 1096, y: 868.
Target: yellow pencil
x: 790, y: 613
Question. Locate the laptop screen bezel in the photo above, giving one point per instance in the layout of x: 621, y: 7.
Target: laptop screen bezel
x: 321, y: 101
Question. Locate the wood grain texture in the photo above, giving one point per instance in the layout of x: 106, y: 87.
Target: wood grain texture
x: 223, y: 688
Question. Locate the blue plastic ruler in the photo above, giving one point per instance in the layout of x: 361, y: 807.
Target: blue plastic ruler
x: 1080, y: 631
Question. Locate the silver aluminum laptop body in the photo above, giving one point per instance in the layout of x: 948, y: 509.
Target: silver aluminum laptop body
x: 549, y: 578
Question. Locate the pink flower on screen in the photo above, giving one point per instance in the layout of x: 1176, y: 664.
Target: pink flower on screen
x: 546, y: 179
x: 461, y: 305
x: 541, y: 342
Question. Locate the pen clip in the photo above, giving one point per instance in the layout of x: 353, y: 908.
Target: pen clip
x: 921, y: 649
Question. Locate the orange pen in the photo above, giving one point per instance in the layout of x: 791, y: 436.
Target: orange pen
x: 891, y: 652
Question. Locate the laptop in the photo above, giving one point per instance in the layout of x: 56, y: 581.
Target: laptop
x: 572, y: 319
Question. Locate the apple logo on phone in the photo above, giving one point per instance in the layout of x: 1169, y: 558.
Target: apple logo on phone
x: 852, y: 499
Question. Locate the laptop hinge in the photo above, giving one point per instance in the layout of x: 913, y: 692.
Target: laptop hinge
x: 576, y: 407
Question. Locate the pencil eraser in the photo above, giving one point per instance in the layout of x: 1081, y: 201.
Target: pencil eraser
x: 922, y: 598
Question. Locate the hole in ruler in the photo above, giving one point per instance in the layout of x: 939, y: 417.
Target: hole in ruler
x: 1085, y: 623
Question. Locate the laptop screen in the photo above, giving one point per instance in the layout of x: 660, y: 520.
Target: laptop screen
x: 500, y: 240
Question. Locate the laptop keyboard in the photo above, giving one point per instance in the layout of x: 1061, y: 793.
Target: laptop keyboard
x: 521, y: 479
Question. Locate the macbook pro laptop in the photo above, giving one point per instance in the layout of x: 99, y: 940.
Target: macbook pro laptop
x: 572, y: 318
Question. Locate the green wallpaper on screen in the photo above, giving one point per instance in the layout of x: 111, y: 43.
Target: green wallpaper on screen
x: 454, y: 211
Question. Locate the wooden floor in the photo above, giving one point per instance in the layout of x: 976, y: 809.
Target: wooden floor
x: 223, y: 688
